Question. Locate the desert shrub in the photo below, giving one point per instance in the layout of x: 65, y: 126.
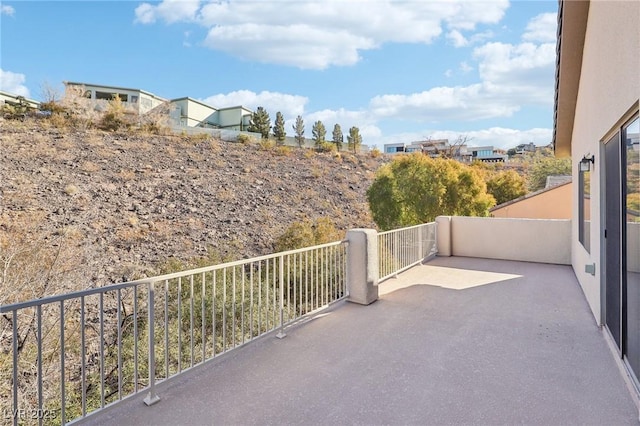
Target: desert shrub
x: 244, y: 139
x: 283, y: 150
x: 375, y: 153
x: 326, y: 147
x: 266, y: 144
x: 115, y: 117
x: 308, y: 233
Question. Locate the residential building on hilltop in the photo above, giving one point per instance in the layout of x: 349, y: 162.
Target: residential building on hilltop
x: 189, y: 112
x: 488, y: 154
x: 184, y: 112
x: 17, y: 100
x: 138, y: 100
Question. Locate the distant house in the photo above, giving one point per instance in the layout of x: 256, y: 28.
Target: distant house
x: 552, y: 202
x: 189, y: 112
x: 394, y: 148
x: 488, y: 154
x: 16, y: 100
x: 138, y: 100
x: 525, y: 147
x: 184, y: 112
x: 434, y: 148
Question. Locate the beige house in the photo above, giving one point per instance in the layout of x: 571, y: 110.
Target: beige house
x: 189, y: 112
x: 13, y: 99
x: 548, y: 203
x: 597, y: 125
x: 184, y: 112
x: 138, y: 100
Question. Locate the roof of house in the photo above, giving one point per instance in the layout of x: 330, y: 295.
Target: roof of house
x: 530, y: 195
x: 555, y: 180
x: 75, y: 83
x: 14, y: 97
x: 187, y: 98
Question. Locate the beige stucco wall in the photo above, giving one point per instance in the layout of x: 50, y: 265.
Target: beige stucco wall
x: 193, y: 112
x: 529, y: 240
x: 554, y: 203
x: 609, y: 88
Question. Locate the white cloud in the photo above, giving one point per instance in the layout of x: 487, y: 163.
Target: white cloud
x: 457, y: 39
x: 13, y: 83
x: 5, y: 9
x: 465, y: 67
x: 169, y: 11
x: 542, y: 28
x: 313, y: 48
x: 511, y: 76
x: 288, y: 105
x: 317, y: 34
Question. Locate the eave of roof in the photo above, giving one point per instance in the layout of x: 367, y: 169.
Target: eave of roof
x: 572, y: 25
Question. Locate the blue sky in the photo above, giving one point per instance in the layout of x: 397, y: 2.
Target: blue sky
x: 398, y: 70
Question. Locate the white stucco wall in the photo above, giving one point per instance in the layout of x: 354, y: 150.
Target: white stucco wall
x: 193, y: 112
x: 528, y: 240
x: 609, y: 87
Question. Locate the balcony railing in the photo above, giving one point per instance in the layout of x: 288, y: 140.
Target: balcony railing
x: 400, y: 249
x: 65, y: 357
x: 77, y: 353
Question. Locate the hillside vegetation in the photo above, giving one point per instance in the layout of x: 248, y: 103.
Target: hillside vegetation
x: 98, y: 207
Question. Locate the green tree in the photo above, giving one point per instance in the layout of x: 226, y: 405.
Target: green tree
x: 338, y: 138
x: 542, y: 167
x: 308, y: 233
x: 298, y: 128
x: 260, y: 122
x: 278, y: 128
x: 354, y: 139
x: 506, y: 185
x: 319, y: 133
x: 415, y: 188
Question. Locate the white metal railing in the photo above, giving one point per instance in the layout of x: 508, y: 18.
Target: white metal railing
x: 77, y: 353
x: 401, y: 249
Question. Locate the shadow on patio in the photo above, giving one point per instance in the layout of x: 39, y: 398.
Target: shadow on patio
x: 454, y: 341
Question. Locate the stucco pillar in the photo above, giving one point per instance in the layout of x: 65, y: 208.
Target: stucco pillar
x: 362, y: 266
x: 443, y: 234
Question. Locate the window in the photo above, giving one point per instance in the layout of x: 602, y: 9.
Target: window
x: 584, y: 209
x: 109, y: 96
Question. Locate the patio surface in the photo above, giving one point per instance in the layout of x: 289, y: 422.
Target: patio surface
x: 454, y: 341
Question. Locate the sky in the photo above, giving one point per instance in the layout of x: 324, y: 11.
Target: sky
x: 400, y: 71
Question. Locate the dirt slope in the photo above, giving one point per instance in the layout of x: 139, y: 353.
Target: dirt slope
x: 128, y: 201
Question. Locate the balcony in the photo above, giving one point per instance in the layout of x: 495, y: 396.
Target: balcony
x: 494, y: 331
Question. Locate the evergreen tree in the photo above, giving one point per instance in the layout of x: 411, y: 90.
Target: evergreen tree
x: 354, y: 139
x: 260, y: 122
x: 338, y: 138
x: 298, y: 128
x: 319, y: 133
x: 278, y: 128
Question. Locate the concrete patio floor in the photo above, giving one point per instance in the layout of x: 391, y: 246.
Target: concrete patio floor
x: 453, y: 341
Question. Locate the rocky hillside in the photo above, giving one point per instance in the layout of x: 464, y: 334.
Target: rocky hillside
x: 126, y: 202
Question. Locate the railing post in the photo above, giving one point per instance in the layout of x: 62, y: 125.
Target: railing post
x: 152, y: 398
x: 362, y: 266
x: 443, y: 236
x: 281, y: 334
